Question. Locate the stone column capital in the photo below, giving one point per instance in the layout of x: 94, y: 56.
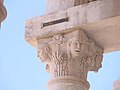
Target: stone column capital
x: 71, y: 54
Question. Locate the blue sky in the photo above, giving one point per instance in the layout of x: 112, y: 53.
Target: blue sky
x: 20, y: 69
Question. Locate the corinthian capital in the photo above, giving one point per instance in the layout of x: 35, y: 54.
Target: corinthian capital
x: 70, y: 54
x: 69, y: 57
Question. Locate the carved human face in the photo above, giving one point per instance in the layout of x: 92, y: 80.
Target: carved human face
x: 75, y: 47
x: 43, y: 53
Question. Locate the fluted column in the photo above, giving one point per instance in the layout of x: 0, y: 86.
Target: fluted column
x: 69, y: 57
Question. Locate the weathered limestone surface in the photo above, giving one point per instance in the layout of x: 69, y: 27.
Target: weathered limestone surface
x: 69, y: 57
x: 56, y: 5
x: 116, y: 85
x: 99, y: 19
x: 72, y: 37
x: 3, y: 12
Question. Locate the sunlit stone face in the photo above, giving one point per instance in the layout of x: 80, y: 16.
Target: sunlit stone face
x: 44, y: 53
x: 42, y: 56
x: 75, y: 46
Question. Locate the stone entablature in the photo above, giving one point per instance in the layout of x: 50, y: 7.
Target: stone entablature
x: 3, y: 12
x: 56, y: 5
x: 95, y: 24
x: 77, y: 17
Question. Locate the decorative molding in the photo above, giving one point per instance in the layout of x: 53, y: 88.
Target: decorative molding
x: 69, y: 79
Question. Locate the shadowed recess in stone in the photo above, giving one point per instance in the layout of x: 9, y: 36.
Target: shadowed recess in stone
x: 55, y: 22
x: 80, y: 2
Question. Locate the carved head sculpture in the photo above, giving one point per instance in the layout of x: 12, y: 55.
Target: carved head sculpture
x: 95, y: 55
x: 98, y: 61
x: 90, y: 54
x: 74, y: 47
x: 44, y: 52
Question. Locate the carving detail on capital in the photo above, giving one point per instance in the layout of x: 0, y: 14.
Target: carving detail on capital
x: 59, y: 57
x: 85, y: 51
x: 44, y: 52
x: 68, y: 55
x: 60, y: 61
